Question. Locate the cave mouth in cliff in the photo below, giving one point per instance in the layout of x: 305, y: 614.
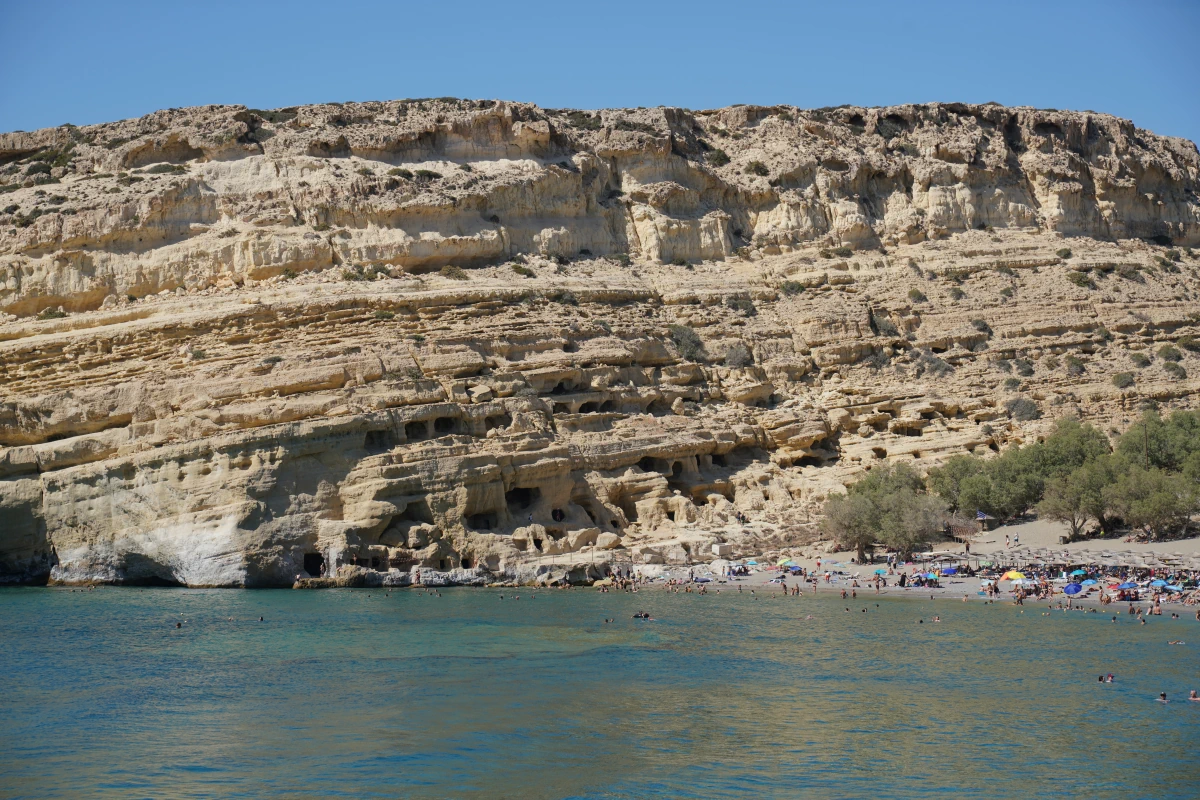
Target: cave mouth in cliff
x: 416, y: 430
x: 314, y: 564
x: 497, y: 421
x: 520, y: 498
x: 445, y: 425
x: 415, y: 511
x: 377, y: 442
x: 483, y: 521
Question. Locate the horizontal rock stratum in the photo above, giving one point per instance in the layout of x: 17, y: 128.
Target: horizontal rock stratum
x: 487, y: 340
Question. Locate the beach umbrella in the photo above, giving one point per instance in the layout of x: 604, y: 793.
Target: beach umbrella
x: 752, y: 561
x: 1072, y: 588
x: 1080, y: 572
x: 930, y: 574
x: 881, y: 572
x: 1024, y: 582
x: 1128, y: 585
x: 783, y: 562
x: 1012, y: 575
x: 1090, y: 582
x: 1159, y: 582
x: 1175, y: 588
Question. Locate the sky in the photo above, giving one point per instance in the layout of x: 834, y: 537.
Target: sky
x: 88, y: 62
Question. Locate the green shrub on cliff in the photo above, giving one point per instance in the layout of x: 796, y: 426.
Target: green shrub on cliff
x: 687, y: 341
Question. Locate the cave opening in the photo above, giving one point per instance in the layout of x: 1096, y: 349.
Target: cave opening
x: 314, y: 564
x: 498, y: 421
x: 482, y: 521
x: 658, y: 408
x: 520, y: 498
x: 416, y: 430
x: 378, y: 442
x: 445, y: 425
x: 415, y: 511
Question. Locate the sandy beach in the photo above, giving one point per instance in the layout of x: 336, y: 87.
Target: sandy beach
x: 1006, y: 545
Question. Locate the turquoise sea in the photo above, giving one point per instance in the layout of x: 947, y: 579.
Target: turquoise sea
x: 359, y: 694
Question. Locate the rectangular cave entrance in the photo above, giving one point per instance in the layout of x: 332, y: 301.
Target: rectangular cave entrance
x: 378, y: 442
x: 484, y: 521
x: 520, y: 499
x: 314, y: 564
x: 416, y: 430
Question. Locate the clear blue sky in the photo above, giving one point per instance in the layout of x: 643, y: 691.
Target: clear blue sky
x: 86, y: 62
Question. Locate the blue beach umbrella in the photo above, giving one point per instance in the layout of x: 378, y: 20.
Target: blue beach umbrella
x: 930, y: 575
x: 1072, y: 588
x: 1128, y: 585
x: 1080, y: 572
x: 1158, y: 582
x: 1175, y: 588
x: 1090, y: 582
x: 881, y: 572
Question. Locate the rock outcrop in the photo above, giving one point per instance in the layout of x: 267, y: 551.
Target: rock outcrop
x: 346, y: 343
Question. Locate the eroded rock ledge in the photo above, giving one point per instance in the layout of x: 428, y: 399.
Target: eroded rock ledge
x: 231, y: 356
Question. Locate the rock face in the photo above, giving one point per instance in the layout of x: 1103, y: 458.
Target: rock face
x: 482, y: 339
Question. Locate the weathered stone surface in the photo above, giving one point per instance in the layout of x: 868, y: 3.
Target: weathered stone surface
x: 261, y: 374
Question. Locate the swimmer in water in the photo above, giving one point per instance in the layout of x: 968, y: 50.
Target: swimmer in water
x: 1162, y: 697
x: 1193, y: 697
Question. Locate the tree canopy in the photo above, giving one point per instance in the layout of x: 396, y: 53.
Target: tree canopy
x: 890, y: 506
x: 1150, y: 480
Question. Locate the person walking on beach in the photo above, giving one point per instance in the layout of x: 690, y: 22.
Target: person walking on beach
x: 1006, y: 541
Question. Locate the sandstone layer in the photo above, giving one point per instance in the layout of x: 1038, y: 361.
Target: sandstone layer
x: 483, y: 340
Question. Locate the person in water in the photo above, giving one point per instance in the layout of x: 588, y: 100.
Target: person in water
x: 1195, y: 698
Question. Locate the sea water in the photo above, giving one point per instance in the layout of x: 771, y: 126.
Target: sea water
x: 464, y: 694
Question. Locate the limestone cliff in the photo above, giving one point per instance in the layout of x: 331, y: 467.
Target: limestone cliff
x: 481, y: 338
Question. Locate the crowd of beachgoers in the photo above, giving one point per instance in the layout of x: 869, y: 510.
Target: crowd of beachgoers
x: 1070, y: 580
